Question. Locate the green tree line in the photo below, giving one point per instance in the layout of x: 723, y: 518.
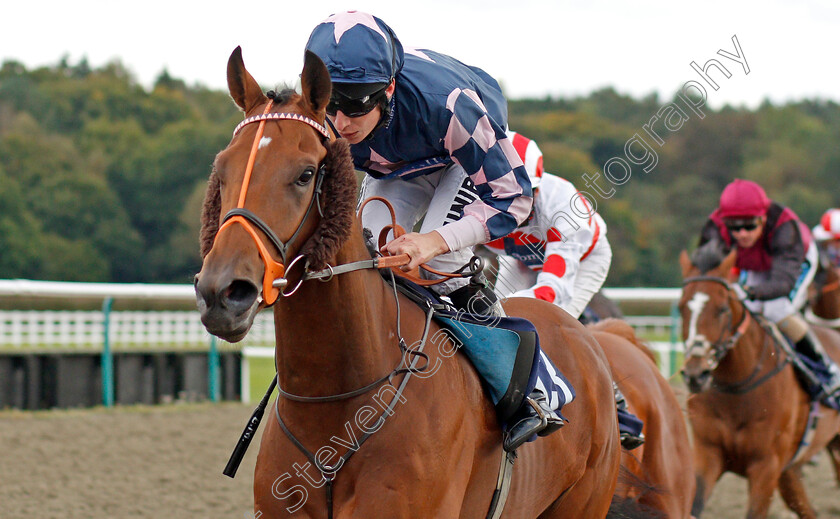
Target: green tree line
x: 102, y: 179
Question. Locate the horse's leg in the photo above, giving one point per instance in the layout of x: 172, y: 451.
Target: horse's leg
x: 793, y: 493
x: 833, y: 449
x: 708, y: 464
x: 763, y: 479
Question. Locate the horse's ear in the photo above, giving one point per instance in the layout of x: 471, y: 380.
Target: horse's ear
x: 315, y: 83
x: 728, y: 262
x: 244, y: 89
x: 685, y: 264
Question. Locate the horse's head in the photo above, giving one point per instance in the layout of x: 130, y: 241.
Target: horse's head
x: 270, y: 196
x: 708, y: 307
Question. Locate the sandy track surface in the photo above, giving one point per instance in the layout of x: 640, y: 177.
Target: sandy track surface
x: 166, y: 462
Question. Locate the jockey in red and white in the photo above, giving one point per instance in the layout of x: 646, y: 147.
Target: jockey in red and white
x: 827, y: 235
x: 561, y: 253
x: 777, y: 261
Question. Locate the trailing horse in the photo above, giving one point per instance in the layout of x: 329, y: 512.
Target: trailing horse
x: 367, y: 424
x: 659, y: 474
x: 748, y: 412
x: 824, y: 298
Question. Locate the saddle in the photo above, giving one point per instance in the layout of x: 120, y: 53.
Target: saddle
x: 503, y: 350
x: 810, y: 374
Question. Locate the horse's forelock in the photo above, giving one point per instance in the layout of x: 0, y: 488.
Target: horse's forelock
x: 282, y: 95
x: 707, y: 259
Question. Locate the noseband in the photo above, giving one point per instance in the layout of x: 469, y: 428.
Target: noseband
x: 251, y: 222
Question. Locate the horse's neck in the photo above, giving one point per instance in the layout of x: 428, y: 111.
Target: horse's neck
x: 336, y: 336
x: 748, y: 353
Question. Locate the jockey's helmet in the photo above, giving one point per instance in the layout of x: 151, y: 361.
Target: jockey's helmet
x: 743, y: 198
x: 829, y: 226
x: 362, y: 54
x: 530, y: 154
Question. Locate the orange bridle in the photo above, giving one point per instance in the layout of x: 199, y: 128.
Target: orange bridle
x: 273, y: 280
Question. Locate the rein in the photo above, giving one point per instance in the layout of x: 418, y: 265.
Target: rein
x: 722, y: 347
x: 831, y: 287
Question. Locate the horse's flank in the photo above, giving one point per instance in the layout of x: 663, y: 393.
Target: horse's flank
x: 659, y: 474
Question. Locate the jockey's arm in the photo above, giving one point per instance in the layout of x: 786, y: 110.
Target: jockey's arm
x: 477, y: 142
x: 788, y: 253
x: 555, y: 283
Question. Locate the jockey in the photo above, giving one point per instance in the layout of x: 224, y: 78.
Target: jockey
x: 558, y: 256
x: 429, y: 131
x: 827, y: 235
x: 777, y: 262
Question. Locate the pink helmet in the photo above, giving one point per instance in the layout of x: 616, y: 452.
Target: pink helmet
x: 531, y: 156
x: 743, y: 198
x: 829, y: 226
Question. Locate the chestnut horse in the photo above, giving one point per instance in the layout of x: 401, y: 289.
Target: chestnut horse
x: 824, y: 310
x: 661, y: 476
x: 749, y: 414
x: 824, y: 298
x: 431, y: 449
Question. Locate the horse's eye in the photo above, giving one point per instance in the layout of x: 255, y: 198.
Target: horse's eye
x: 305, y: 177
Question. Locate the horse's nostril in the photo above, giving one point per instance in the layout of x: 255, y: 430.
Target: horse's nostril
x: 240, y: 294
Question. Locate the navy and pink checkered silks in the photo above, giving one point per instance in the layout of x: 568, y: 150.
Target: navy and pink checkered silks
x: 442, y: 111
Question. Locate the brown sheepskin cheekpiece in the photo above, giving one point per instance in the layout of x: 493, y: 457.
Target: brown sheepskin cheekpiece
x: 338, y: 201
x: 211, y: 213
x: 339, y: 204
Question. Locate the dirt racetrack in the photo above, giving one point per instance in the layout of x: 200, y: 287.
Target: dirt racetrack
x: 166, y: 462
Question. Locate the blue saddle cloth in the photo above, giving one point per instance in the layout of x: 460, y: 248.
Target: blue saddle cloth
x: 505, y: 352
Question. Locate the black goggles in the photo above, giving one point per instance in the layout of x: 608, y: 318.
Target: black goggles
x: 354, y: 107
x: 742, y: 225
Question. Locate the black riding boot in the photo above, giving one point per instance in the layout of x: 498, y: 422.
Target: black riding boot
x: 534, y: 417
x: 811, y: 347
x: 629, y: 426
x: 476, y: 298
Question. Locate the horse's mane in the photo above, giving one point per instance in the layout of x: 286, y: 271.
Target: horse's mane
x: 338, y: 200
x: 708, y: 256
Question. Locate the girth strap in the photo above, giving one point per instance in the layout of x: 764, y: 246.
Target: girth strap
x: 500, y: 495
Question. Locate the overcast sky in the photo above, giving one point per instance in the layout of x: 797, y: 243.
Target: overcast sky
x: 533, y: 47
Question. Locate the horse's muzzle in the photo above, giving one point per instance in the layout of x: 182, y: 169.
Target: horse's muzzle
x: 227, y: 309
x: 697, y: 382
